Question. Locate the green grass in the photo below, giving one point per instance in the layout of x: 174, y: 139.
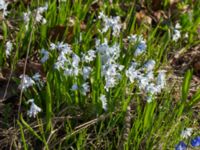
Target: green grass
x: 72, y: 120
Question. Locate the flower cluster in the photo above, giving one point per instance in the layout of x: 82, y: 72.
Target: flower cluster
x: 195, y: 142
x: 37, y: 15
x: 177, y: 34
x: 145, y: 78
x: 67, y: 60
x: 27, y: 81
x: 140, y: 42
x: 71, y: 64
x: 89, y: 56
x: 110, y: 69
x: 34, y: 109
x: 110, y: 23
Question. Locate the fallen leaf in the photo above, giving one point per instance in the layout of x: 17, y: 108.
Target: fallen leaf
x: 141, y: 18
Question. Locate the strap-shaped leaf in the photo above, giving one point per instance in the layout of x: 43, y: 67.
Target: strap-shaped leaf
x: 48, y: 107
x: 186, y: 85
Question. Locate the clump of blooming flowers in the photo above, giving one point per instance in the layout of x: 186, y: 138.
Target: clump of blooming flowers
x: 186, y: 134
x: 110, y: 68
x: 145, y: 78
x: 112, y: 23
x: 73, y: 65
x: 27, y: 82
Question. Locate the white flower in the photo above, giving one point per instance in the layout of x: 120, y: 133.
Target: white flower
x: 89, y: 56
x: 26, y: 82
x: 186, y: 133
x: 111, y: 74
x: 3, y: 6
x: 110, y: 69
x: 150, y: 75
x: 141, y: 48
x: 149, y: 66
x: 39, y: 11
x: 103, y: 101
x: 132, y: 73
x: 45, y: 55
x: 152, y: 88
x: 111, y: 22
x: 36, y: 76
x: 38, y: 17
x: 143, y: 82
x: 86, y: 72
x: 110, y: 82
x: 9, y: 47
x: 71, y: 67
x: 140, y: 43
x: 85, y: 88
x: 62, y: 47
x: 186, y: 35
x: 177, y: 26
x: 109, y: 54
x: 71, y: 71
x: 26, y: 16
x: 43, y: 8
x: 135, y: 38
x: 177, y: 35
x: 61, y: 60
x: 75, y: 60
x: 34, y: 109
x: 74, y: 87
x: 44, y: 21
x: 53, y: 46
x: 161, y: 82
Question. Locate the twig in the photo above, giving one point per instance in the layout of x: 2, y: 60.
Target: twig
x: 24, y: 70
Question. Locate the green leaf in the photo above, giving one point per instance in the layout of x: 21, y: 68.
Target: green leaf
x: 48, y: 107
x: 29, y: 128
x: 5, y: 30
x: 97, y: 82
x: 186, y: 85
x: 148, y: 114
x: 22, y: 135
